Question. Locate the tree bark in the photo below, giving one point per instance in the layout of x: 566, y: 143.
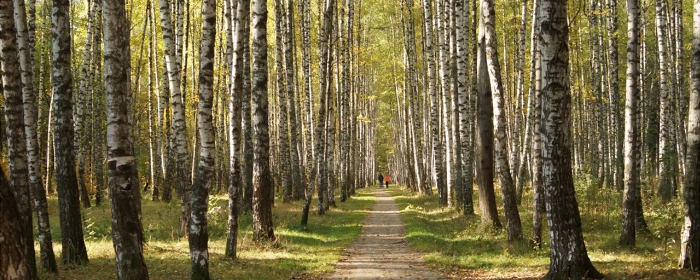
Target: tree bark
x: 26, y: 50
x: 568, y: 255
x: 198, y: 235
x: 262, y: 179
x: 126, y: 223
x: 484, y: 137
x: 510, y: 206
x: 14, y: 263
x: 72, y: 240
x: 632, y: 143
x: 15, y: 130
x: 690, y: 236
x: 667, y: 155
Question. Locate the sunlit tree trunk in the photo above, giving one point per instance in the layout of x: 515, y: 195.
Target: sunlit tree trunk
x: 240, y: 24
x: 262, y: 179
x: 484, y: 137
x: 198, y: 235
x: 568, y: 255
x: 283, y: 129
x: 510, y: 207
x: 25, y: 51
x: 632, y: 143
x: 434, y: 97
x: 15, y: 130
x: 667, y: 157
x: 690, y: 236
x: 178, y: 116
x: 126, y: 224
x: 289, y: 54
x: 72, y: 240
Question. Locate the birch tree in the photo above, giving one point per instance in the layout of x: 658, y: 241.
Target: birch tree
x: 632, y: 143
x: 690, y: 236
x: 25, y: 52
x: 198, y: 235
x: 178, y: 117
x: 240, y: 23
x: 262, y: 179
x: 499, y: 121
x: 14, y: 131
x: 667, y: 156
x: 72, y: 240
x: 568, y: 255
x: 126, y: 224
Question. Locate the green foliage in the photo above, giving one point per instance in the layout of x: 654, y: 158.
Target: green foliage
x: 303, y: 252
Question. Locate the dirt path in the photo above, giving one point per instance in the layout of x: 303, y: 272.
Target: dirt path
x: 381, y: 251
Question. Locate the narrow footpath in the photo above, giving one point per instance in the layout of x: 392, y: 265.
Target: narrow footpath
x: 381, y: 251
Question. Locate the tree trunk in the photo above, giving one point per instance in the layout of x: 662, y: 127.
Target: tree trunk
x: 690, y: 237
x: 262, y: 179
x: 178, y: 117
x: 25, y: 50
x: 72, y: 240
x: 198, y: 235
x: 79, y: 124
x: 667, y: 157
x: 242, y: 20
x: 15, y: 130
x: 289, y: 54
x: 126, y: 224
x: 434, y: 98
x: 464, y: 119
x: 283, y: 128
x: 632, y: 143
x: 568, y: 256
x: 14, y: 262
x: 510, y: 206
x: 484, y: 138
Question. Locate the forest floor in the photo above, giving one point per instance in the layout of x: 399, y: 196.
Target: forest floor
x: 462, y: 248
x: 381, y: 251
x: 298, y: 253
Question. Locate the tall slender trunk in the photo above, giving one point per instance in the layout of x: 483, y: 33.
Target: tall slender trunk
x: 240, y: 23
x: 283, y: 128
x: 510, y: 206
x: 690, y: 236
x: 178, y: 119
x: 568, y: 255
x: 434, y: 97
x: 15, y: 129
x: 25, y: 51
x: 126, y: 224
x: 72, y: 240
x: 289, y: 54
x: 667, y: 157
x: 632, y: 143
x: 262, y: 179
x: 484, y: 138
x: 198, y: 235
x: 464, y: 119
x: 79, y: 119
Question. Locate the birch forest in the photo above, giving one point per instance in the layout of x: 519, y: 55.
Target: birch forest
x: 350, y: 139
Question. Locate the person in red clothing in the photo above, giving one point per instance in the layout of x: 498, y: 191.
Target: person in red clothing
x: 386, y: 181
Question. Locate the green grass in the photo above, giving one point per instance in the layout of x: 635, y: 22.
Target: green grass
x: 298, y: 252
x: 462, y: 248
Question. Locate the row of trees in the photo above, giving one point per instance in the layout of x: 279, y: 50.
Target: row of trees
x: 315, y: 133
x: 463, y: 114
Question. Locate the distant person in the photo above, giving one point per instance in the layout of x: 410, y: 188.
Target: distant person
x: 380, y: 178
x: 386, y: 181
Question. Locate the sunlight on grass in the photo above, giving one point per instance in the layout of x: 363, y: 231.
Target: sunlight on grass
x: 463, y: 248
x: 302, y: 251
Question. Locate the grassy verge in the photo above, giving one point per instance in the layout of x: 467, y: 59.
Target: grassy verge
x: 462, y: 248
x: 298, y: 252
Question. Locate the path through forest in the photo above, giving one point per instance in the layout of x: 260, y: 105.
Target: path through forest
x: 381, y: 251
